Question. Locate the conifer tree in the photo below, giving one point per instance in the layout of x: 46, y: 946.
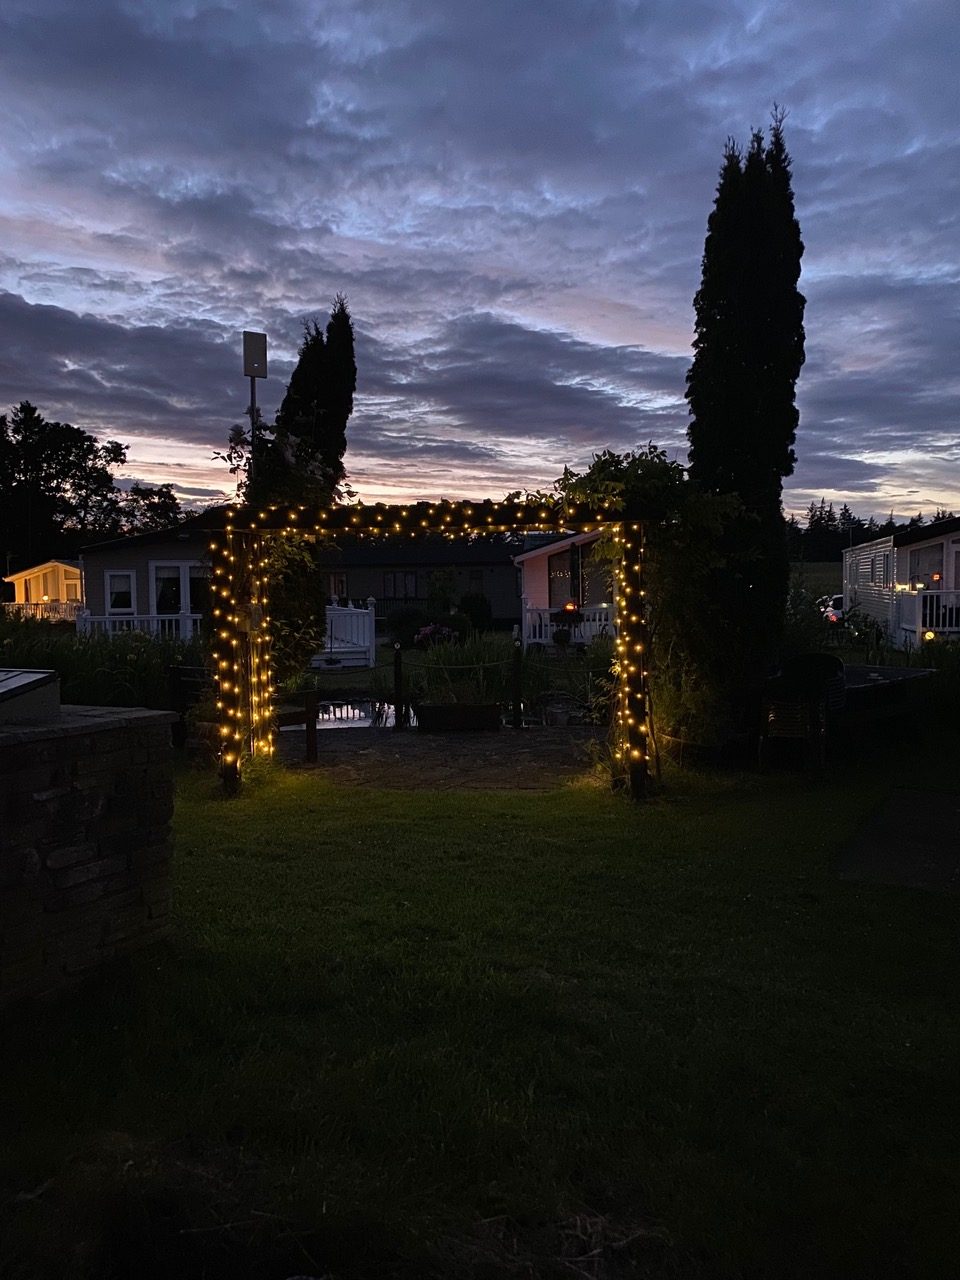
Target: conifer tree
x: 748, y: 352
x: 313, y: 414
x: 301, y: 458
x: 749, y: 335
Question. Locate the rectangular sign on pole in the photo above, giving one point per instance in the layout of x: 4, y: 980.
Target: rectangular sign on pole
x: 254, y: 355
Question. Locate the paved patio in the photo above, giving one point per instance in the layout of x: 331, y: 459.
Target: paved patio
x: 533, y: 759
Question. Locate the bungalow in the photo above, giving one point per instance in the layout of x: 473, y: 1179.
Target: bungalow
x: 400, y: 573
x: 908, y: 582
x: 157, y: 582
x: 562, y: 575
x: 51, y: 591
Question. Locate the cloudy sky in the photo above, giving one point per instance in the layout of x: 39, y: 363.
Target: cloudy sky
x: 513, y: 196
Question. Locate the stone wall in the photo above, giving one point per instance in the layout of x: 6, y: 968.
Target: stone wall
x: 85, y: 808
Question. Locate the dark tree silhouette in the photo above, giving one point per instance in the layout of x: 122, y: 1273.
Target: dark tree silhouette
x: 748, y: 352
x: 144, y: 507
x: 56, y: 488
x: 749, y: 333
x: 304, y: 462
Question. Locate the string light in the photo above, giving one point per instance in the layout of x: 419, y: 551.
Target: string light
x: 242, y: 622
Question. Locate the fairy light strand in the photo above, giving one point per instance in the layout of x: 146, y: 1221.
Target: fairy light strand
x: 241, y: 620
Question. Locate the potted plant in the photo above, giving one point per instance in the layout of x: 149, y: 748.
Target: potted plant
x: 451, y: 690
x: 565, y: 621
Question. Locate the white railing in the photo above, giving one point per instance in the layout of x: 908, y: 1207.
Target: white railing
x: 937, y: 611
x: 350, y: 633
x: 47, y: 610
x: 167, y: 626
x: 595, y: 621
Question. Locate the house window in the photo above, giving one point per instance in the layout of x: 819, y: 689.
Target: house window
x: 400, y: 585
x: 594, y: 579
x: 924, y: 563
x: 179, y: 588
x: 199, y: 583
x: 72, y: 586
x: 120, y: 591
x: 558, y: 568
x: 166, y: 586
x: 338, y: 586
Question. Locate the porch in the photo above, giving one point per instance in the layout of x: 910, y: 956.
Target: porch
x: 922, y: 615
x: 45, y: 610
x: 591, y: 622
x: 351, y: 637
x: 165, y: 626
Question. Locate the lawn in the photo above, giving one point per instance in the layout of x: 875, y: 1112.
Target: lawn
x: 818, y: 577
x: 504, y: 1035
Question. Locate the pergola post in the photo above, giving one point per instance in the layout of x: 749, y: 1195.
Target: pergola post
x: 241, y: 649
x: 633, y: 723
x: 242, y: 627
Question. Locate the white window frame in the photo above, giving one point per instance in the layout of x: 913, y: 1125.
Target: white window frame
x: 107, y: 607
x: 184, y: 566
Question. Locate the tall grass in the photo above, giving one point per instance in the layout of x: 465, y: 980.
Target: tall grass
x: 127, y: 670
x: 481, y: 670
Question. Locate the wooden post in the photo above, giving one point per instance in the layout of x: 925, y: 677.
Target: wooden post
x: 517, y: 682
x: 397, y: 688
x: 230, y: 776
x: 632, y: 655
x: 311, y: 702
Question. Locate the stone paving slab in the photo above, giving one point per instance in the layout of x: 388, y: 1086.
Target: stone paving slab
x: 533, y: 759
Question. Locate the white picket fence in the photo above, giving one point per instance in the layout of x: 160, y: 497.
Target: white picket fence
x: 167, y: 626
x: 595, y: 621
x: 351, y: 636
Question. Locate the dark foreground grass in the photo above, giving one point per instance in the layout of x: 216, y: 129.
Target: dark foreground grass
x: 496, y: 1035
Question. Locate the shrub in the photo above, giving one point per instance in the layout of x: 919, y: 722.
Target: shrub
x: 127, y: 670
x: 434, y: 633
x: 477, y: 608
x: 404, y: 623
x: 476, y: 671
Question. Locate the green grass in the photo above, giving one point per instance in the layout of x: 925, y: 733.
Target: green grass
x: 414, y: 1034
x: 819, y: 577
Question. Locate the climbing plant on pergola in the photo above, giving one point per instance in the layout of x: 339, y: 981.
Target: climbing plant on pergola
x: 241, y: 619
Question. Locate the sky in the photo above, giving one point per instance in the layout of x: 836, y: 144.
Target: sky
x: 512, y: 195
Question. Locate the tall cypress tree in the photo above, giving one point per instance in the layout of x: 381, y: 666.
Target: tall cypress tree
x: 304, y: 461
x: 748, y: 345
x: 741, y: 387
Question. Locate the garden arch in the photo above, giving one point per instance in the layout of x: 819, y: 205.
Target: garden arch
x: 241, y: 604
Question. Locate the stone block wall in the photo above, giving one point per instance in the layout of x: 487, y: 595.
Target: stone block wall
x: 85, y: 808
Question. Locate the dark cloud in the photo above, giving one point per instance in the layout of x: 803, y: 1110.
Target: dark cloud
x: 514, y: 198
x: 118, y: 379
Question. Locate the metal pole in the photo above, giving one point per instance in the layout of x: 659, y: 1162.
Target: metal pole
x: 253, y: 428
x: 518, y: 684
x: 311, y: 700
x: 397, y: 688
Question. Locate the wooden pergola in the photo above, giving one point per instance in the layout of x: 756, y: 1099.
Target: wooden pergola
x: 241, y: 618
